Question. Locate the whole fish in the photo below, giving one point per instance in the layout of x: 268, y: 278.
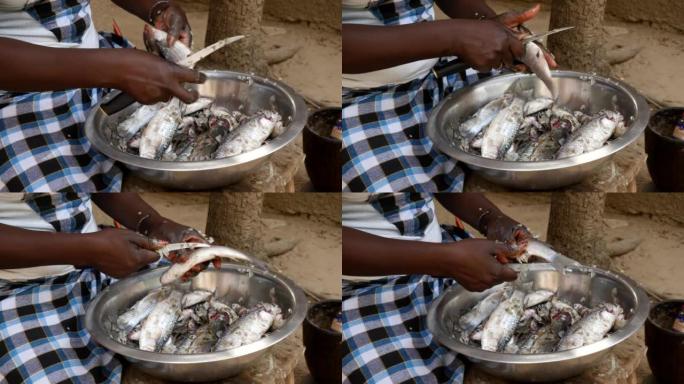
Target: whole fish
x: 203, y: 339
x: 502, y: 323
x: 199, y: 256
x: 545, y: 148
x: 592, y: 328
x: 499, y: 135
x: 195, y: 297
x: 592, y: 135
x: 159, y: 324
x: 480, y: 312
x: 158, y: 134
x: 535, y: 60
x: 128, y: 320
x: 248, y: 328
x: 482, y: 118
x: 156, y: 42
x: 249, y: 135
x: 137, y: 120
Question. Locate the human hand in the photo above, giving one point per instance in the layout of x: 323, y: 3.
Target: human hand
x: 487, y: 44
x: 120, y: 252
x: 173, y: 21
x: 502, y: 228
x: 474, y: 263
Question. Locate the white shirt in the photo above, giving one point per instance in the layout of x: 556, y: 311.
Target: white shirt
x: 357, y: 213
x: 355, y: 12
x: 17, y: 213
x: 18, y: 24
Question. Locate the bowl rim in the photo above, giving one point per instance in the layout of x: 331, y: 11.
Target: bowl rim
x: 294, y: 128
x: 291, y: 324
x: 660, y: 135
x: 653, y: 323
x: 631, y: 135
x: 633, y: 325
x: 319, y: 329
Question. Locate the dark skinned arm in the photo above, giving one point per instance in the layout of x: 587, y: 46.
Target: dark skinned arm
x: 471, y: 262
x: 115, y: 252
x: 140, y: 8
x: 144, y: 76
x: 465, y: 9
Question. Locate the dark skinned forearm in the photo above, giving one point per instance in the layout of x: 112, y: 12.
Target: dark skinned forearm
x: 368, y: 48
x: 364, y: 254
x: 129, y: 209
x: 69, y: 68
x: 468, y: 207
x: 140, y: 8
x: 465, y: 9
x: 23, y: 248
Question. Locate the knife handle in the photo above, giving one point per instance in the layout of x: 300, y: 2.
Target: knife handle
x: 117, y: 103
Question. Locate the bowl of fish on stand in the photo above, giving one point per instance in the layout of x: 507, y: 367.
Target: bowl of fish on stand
x: 239, y: 121
x: 538, y: 131
x: 551, y: 324
x: 208, y: 328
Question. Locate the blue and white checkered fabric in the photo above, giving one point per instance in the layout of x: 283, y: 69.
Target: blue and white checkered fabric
x: 409, y: 212
x: 43, y: 337
x: 384, y: 333
x: 43, y: 147
x: 385, y: 147
x: 66, y: 212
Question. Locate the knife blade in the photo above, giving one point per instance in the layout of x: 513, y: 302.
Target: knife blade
x: 539, y: 36
x: 545, y: 251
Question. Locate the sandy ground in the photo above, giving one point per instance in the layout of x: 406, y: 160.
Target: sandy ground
x: 315, y: 263
x: 653, y: 263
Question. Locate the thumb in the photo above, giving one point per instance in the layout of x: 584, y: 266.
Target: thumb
x: 146, y: 242
x: 148, y: 257
x: 513, y: 19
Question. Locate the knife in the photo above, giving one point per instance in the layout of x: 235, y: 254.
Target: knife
x: 539, y: 36
x: 541, y: 249
x: 123, y: 100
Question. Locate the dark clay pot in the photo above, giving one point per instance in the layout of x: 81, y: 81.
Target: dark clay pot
x: 665, y: 153
x: 665, y: 346
x: 323, y: 345
x: 323, y: 153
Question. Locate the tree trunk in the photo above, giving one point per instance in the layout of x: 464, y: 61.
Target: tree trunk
x: 234, y: 220
x: 237, y: 17
x: 576, y: 227
x: 580, y: 49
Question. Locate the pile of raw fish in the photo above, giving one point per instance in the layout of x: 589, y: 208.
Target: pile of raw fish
x: 168, y: 320
x: 515, y: 128
x: 513, y: 318
x: 199, y: 131
x: 174, y: 131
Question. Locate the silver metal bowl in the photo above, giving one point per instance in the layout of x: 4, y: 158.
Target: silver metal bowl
x: 228, y: 89
x: 575, y: 90
x: 575, y: 283
x: 232, y: 281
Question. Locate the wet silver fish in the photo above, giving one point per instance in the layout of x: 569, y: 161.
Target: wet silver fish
x: 248, y: 328
x: 199, y: 256
x: 502, y: 323
x: 499, y: 135
x: 139, y: 311
x: 481, y: 311
x: 592, y: 328
x: 537, y: 297
x: 156, y: 42
x: 537, y: 105
x: 158, y: 325
x: 592, y: 135
x: 195, y: 297
x: 137, y: 121
x: 158, y: 134
x: 546, y: 339
x: 535, y: 60
x: 200, y: 104
x: 482, y: 118
x: 250, y: 135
